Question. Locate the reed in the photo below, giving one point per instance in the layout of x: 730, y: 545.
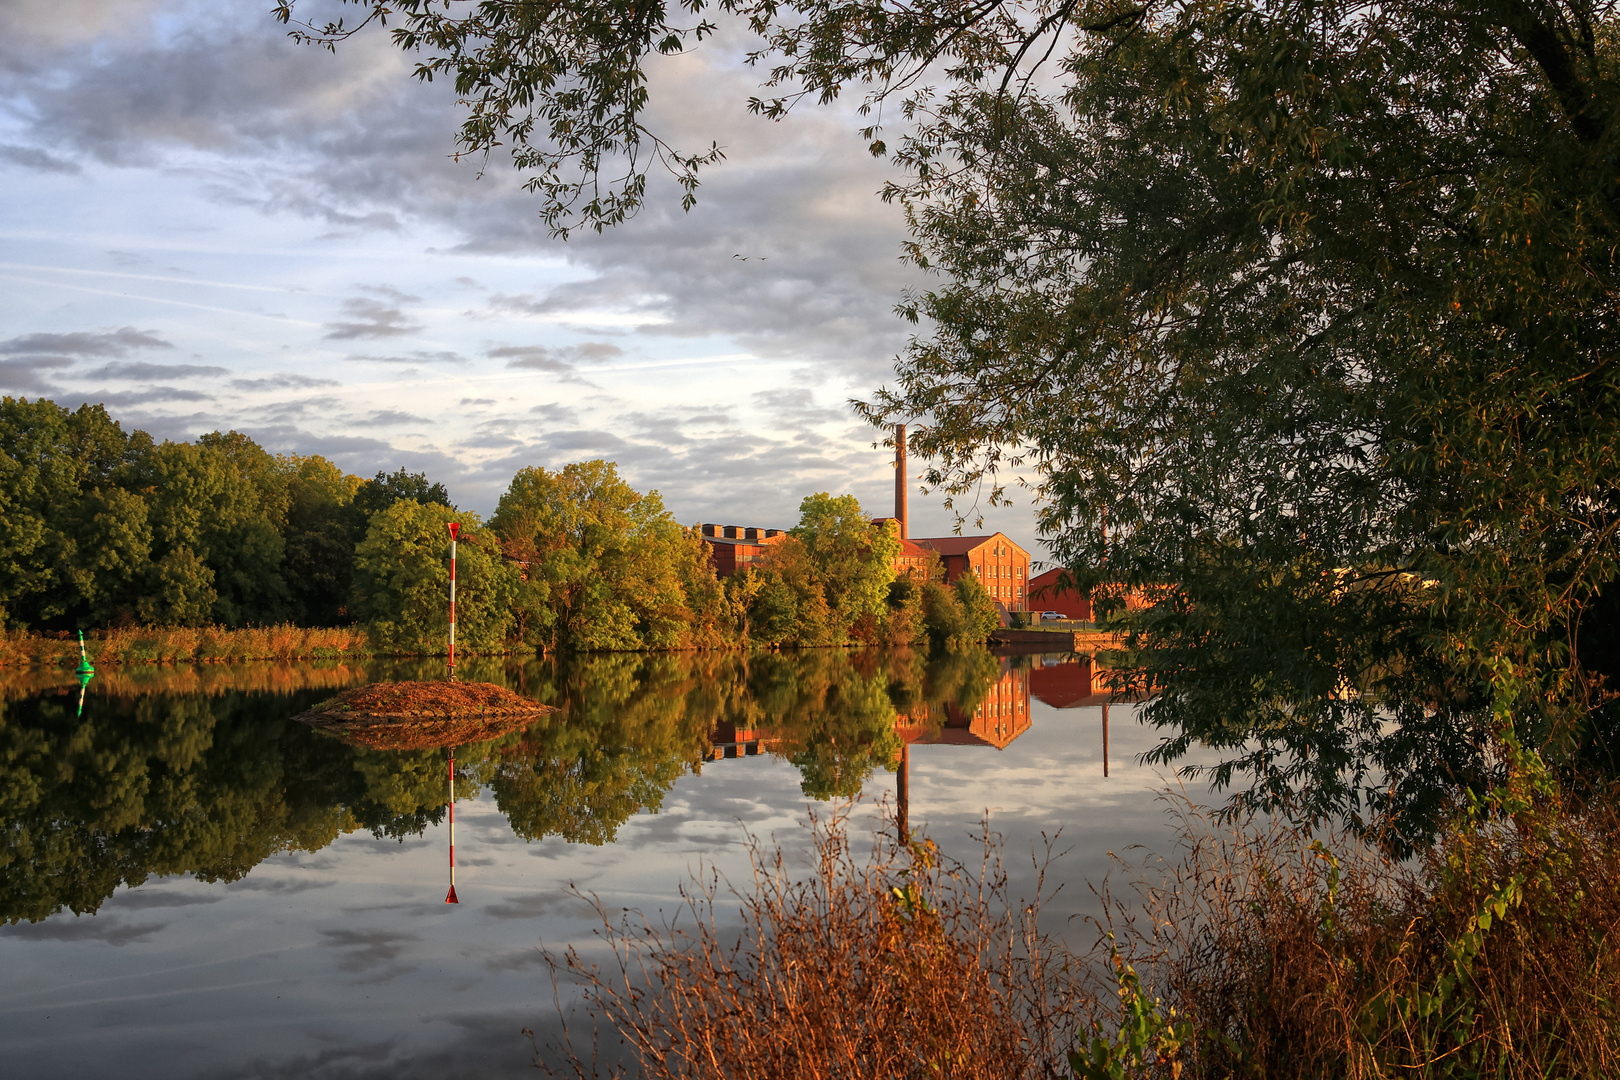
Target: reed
x: 167, y: 645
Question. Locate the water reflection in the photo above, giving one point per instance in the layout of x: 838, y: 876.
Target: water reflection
x: 199, y: 771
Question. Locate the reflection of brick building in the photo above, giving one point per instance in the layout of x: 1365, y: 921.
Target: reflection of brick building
x: 1070, y: 685
x: 737, y: 547
x: 997, y: 720
x: 730, y: 741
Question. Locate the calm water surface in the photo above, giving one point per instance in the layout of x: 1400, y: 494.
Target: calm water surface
x: 194, y: 886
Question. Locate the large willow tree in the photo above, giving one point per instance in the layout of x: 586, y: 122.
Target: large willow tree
x: 1298, y: 313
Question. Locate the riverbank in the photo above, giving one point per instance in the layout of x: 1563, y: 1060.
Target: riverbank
x: 168, y: 645
x: 217, y: 645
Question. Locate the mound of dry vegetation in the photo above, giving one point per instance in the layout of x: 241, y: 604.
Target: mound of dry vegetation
x: 417, y: 715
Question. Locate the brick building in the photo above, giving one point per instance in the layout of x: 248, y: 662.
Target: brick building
x: 1046, y: 593
x: 737, y: 547
x: 1000, y: 564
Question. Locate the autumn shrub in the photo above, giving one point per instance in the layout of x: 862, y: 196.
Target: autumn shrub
x: 901, y: 963
x: 1287, y: 955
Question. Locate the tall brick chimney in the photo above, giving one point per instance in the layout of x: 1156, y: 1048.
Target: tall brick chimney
x: 900, y: 479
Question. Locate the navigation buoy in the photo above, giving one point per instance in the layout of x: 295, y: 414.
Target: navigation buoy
x: 84, y: 660
x: 451, y: 898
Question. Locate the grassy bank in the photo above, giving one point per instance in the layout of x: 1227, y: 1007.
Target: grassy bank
x: 1265, y: 953
x: 159, y: 645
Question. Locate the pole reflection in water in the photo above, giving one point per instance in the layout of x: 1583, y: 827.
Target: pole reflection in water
x: 451, y: 898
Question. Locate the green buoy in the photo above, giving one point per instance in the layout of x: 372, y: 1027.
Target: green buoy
x: 84, y: 661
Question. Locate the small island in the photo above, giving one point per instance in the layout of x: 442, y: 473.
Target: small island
x: 419, y: 715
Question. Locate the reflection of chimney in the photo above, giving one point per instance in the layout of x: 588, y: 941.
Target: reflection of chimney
x: 900, y: 479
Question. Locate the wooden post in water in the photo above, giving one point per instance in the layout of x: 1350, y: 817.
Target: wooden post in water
x: 451, y: 898
x: 1105, y: 739
x: 903, y: 793
x: 454, y: 528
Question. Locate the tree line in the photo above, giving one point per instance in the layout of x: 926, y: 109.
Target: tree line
x: 108, y: 528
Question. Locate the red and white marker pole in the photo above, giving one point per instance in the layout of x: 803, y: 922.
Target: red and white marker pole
x: 454, y: 529
x: 451, y: 899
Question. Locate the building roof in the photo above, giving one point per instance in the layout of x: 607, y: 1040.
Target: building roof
x: 912, y: 549
x: 962, y: 545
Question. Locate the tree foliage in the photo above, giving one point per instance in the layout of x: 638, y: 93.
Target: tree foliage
x: 605, y: 566
x: 402, y: 581
x: 1299, y: 312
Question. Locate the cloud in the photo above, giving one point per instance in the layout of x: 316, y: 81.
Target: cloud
x: 576, y: 440
x: 797, y: 406
x: 30, y: 157
x: 84, y: 344
x: 142, y: 370
x: 285, y: 381
x: 388, y: 418
x: 557, y: 359
x: 368, y: 318
x: 24, y: 374
x: 466, y: 401
x: 534, y: 357
x: 416, y: 357
x: 595, y: 351
x: 148, y: 396
x: 553, y: 413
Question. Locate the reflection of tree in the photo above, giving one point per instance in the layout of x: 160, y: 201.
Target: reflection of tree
x: 211, y: 784
x: 157, y: 785
x: 629, y: 726
x: 834, y: 716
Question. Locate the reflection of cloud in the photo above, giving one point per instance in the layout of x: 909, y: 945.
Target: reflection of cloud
x: 533, y: 905
x: 142, y: 899
x: 365, y: 950
x: 519, y: 960
x: 281, y: 885
x: 110, y: 930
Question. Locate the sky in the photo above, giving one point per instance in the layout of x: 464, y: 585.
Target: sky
x: 207, y: 226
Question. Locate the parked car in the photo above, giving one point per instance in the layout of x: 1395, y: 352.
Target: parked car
x: 1048, y: 616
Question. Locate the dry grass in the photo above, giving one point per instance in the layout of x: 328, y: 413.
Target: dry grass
x: 418, y: 715
x: 158, y: 645
x: 1494, y: 955
x: 899, y: 964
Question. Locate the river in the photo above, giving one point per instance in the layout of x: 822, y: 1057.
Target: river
x: 193, y: 885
